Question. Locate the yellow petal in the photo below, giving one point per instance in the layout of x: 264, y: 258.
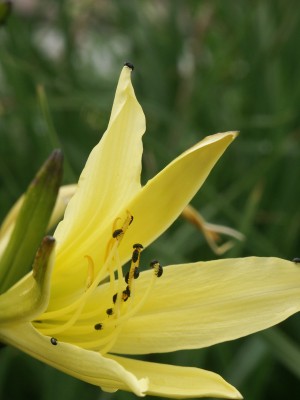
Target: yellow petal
x: 29, y: 297
x: 198, y: 305
x: 179, y: 382
x: 111, y: 176
x: 164, y: 197
x: 88, y: 366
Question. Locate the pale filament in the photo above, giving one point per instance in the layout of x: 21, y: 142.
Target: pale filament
x: 100, y: 276
x: 88, y: 329
x: 116, y: 323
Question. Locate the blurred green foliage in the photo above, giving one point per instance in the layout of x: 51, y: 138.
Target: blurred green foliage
x: 201, y: 67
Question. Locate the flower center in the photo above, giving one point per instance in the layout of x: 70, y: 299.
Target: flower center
x: 95, y: 319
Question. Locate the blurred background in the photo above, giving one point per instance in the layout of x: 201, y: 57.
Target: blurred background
x: 201, y: 67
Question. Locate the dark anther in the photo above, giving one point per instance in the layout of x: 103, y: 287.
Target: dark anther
x: 137, y: 249
x: 109, y: 311
x: 296, y: 260
x: 126, y: 294
x: 53, y: 341
x: 127, y: 290
x: 135, y: 255
x: 153, y: 263
x: 98, y: 327
x: 138, y: 246
x: 117, y: 233
x: 114, y: 299
x: 127, y: 277
x: 158, y: 269
x: 136, y: 273
x: 131, y: 219
x: 129, y: 65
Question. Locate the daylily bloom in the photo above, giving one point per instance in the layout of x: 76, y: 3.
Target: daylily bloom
x: 83, y: 314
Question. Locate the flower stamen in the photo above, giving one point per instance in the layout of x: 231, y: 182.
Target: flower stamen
x: 98, y: 326
x: 135, y: 261
x: 158, y: 269
x: 52, y: 316
x: 53, y: 341
x: 78, y: 325
x: 109, y: 311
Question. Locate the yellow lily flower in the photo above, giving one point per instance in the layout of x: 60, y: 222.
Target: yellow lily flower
x: 88, y: 314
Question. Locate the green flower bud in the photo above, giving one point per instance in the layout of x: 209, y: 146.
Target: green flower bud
x: 32, y: 221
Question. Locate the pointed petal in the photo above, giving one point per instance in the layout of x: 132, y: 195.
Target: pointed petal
x: 198, y: 305
x: 111, y: 176
x: 179, y: 382
x: 88, y: 366
x: 164, y: 197
x: 29, y: 297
